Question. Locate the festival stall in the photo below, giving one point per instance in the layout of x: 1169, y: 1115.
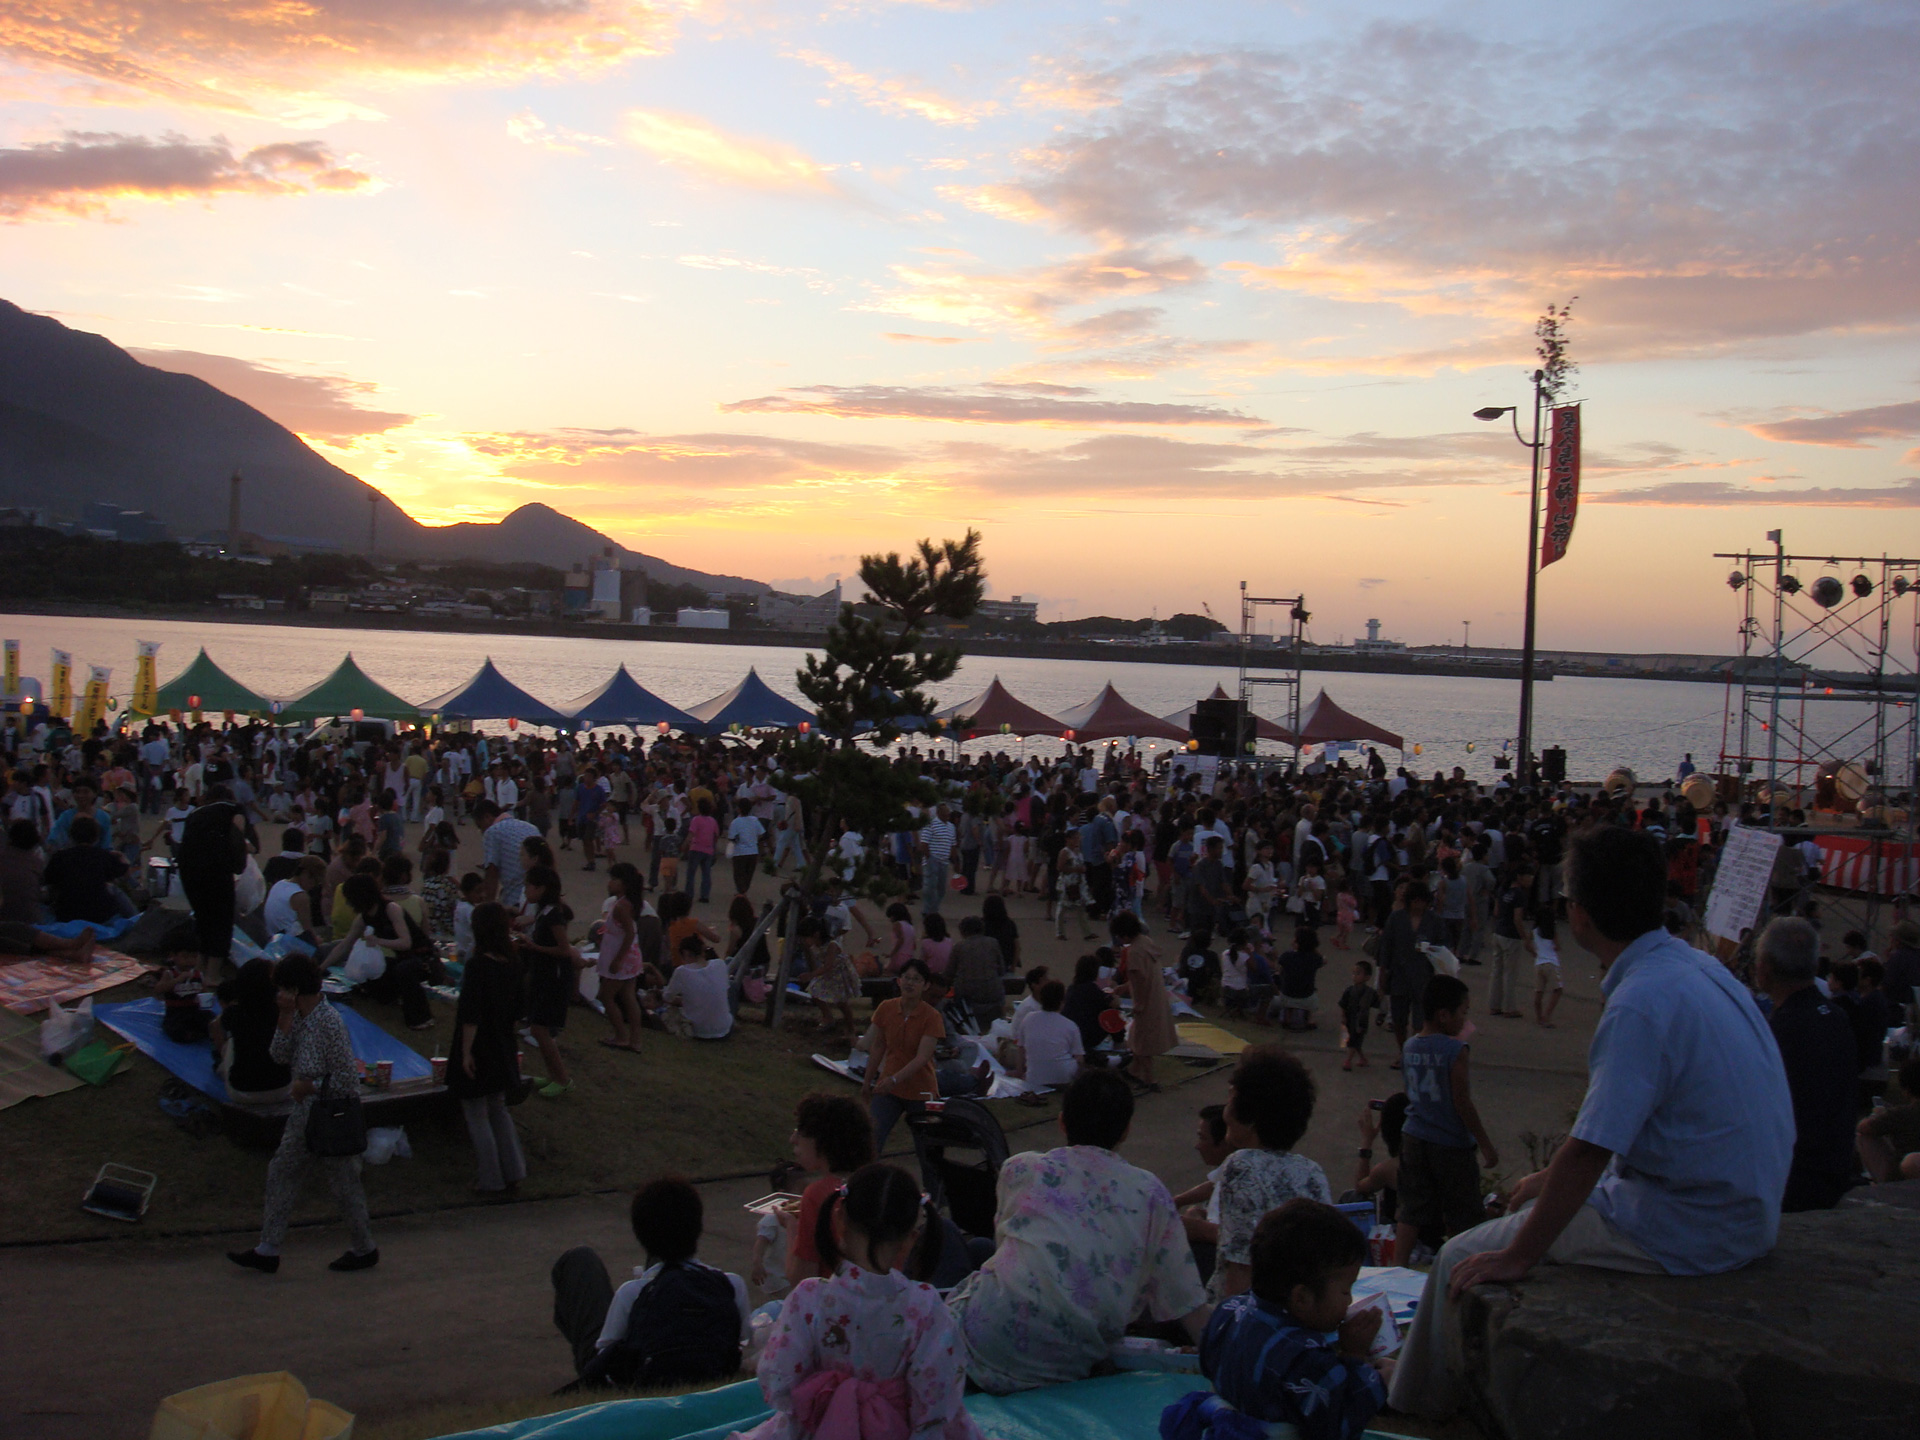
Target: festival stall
x: 1110, y: 716
x: 625, y: 701
x: 348, y: 690
x: 1323, y: 721
x: 489, y: 695
x: 751, y: 705
x: 203, y: 686
x: 996, y: 711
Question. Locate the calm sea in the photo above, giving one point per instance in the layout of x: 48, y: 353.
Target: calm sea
x: 1645, y: 724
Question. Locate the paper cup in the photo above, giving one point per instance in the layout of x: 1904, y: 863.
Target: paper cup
x: 439, y: 1064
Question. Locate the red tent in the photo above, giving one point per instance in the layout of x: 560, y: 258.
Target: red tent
x: 1323, y: 721
x: 1109, y: 716
x: 994, y: 711
x: 1263, y: 728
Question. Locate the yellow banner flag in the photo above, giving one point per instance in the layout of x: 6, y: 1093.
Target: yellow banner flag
x: 93, y: 703
x: 60, y: 686
x: 146, y: 683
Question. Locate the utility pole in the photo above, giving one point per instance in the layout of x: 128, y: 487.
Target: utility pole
x: 1466, y: 645
x: 373, y: 515
x: 1494, y: 412
x: 233, y: 513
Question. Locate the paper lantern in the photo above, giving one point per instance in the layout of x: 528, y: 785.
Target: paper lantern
x: 1006, y: 728
x: 806, y: 727
x: 512, y: 724
x: 26, y: 706
x: 1193, y: 747
x: 1067, y: 735
x: 193, y: 702
x: 356, y: 714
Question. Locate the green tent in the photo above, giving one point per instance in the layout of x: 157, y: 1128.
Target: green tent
x: 219, y: 692
x: 347, y: 689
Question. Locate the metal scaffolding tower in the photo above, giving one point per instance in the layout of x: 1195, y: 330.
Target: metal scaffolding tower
x: 1285, y: 674
x: 1820, y: 710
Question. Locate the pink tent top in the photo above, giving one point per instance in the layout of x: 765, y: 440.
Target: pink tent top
x: 1109, y: 716
x: 1323, y: 720
x: 995, y: 711
x: 1263, y: 728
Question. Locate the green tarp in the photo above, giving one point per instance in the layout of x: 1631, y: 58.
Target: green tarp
x: 347, y: 689
x: 219, y: 692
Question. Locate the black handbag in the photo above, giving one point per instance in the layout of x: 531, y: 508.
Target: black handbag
x: 336, y: 1125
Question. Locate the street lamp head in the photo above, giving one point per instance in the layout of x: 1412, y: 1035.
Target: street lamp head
x: 1492, y: 412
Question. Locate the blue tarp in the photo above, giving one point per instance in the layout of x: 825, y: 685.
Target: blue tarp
x: 625, y: 701
x: 1119, y: 1407
x: 489, y: 695
x: 752, y: 705
x: 103, y: 930
x: 139, y: 1021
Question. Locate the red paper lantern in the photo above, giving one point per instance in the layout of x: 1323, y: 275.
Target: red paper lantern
x: 512, y: 724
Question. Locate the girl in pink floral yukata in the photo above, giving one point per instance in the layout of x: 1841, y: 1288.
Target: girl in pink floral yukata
x: 868, y: 1354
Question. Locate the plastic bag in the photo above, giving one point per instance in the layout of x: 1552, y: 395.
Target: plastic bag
x: 65, y: 1031
x: 388, y: 1142
x: 366, y: 962
x: 249, y: 889
x: 250, y: 1407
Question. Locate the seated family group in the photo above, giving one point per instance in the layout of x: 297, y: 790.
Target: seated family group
x: 1676, y: 1165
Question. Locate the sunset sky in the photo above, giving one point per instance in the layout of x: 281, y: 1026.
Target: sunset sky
x: 1160, y: 297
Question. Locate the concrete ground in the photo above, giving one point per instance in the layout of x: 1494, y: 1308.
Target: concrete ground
x: 459, y: 1308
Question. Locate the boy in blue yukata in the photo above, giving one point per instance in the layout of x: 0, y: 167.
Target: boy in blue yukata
x: 1286, y: 1352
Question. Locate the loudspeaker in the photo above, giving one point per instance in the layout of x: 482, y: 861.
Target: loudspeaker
x: 1218, y: 725
x: 1553, y: 765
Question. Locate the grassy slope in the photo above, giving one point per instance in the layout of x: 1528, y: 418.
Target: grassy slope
x: 705, y: 1110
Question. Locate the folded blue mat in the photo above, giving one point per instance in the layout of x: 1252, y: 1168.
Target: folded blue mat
x: 103, y: 930
x: 139, y: 1021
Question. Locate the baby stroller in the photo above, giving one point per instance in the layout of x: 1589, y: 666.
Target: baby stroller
x: 960, y: 1148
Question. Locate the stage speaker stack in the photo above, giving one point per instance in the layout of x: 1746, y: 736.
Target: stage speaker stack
x: 1219, y: 726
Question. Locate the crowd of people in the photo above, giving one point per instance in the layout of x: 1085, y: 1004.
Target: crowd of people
x: 1720, y: 1093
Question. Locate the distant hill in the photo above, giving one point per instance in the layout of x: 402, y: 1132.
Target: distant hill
x: 81, y: 420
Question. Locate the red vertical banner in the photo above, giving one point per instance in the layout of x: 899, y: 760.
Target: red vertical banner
x: 1563, y: 483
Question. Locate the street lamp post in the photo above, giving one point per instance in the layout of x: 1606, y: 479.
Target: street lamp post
x: 1466, y: 644
x: 1494, y: 412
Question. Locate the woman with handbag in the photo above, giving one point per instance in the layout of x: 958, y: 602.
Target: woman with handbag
x: 326, y: 1123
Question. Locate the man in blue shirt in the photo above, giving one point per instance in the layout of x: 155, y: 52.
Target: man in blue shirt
x: 1098, y: 836
x: 1679, y: 1156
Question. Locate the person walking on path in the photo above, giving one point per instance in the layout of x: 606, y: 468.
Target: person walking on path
x: 1679, y: 1155
x: 483, y: 1061
x: 311, y: 1041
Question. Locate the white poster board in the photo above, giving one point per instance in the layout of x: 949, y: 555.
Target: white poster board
x: 1740, y: 885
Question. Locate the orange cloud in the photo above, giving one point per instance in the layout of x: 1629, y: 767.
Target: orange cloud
x: 692, y: 144
x: 293, y: 56
x: 83, y: 172
x: 1025, y: 404
x: 325, y: 407
x: 897, y: 97
x: 1846, y: 429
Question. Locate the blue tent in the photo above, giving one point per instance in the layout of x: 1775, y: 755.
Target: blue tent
x: 625, y: 701
x: 489, y: 695
x: 752, y: 705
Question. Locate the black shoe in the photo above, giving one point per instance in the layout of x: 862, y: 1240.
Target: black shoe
x: 353, y: 1260
x: 254, y: 1260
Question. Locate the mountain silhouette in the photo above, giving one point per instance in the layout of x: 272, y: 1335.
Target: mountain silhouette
x: 81, y: 420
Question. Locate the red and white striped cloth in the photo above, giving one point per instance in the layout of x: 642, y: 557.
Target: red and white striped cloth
x: 1847, y: 862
